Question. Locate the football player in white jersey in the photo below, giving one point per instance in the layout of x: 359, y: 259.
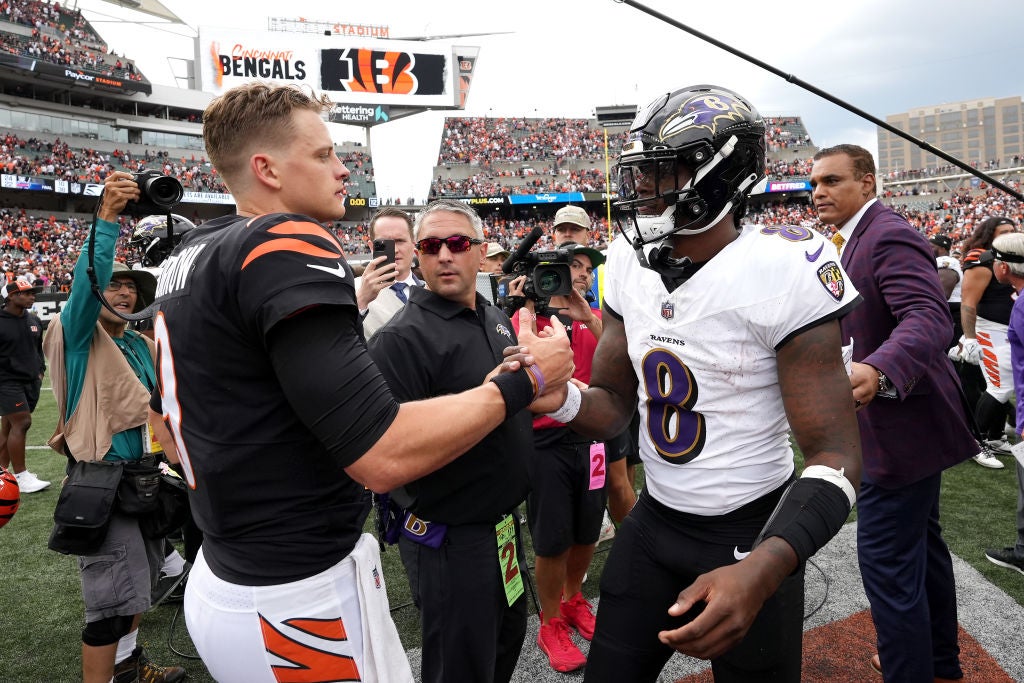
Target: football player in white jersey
x: 728, y: 339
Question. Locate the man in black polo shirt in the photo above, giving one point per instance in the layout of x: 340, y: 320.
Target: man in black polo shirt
x: 463, y: 567
x: 21, y: 373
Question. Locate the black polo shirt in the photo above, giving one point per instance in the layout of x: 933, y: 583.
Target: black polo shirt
x: 433, y: 347
x: 21, y: 347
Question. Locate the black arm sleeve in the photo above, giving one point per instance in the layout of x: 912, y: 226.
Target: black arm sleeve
x: 330, y: 381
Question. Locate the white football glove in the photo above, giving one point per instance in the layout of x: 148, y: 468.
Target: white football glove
x: 971, y: 352
x: 955, y: 354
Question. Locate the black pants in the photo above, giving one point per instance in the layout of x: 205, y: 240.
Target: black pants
x: 657, y: 553
x: 469, y: 631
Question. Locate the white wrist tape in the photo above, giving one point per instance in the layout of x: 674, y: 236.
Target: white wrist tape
x: 570, y: 406
x: 833, y: 476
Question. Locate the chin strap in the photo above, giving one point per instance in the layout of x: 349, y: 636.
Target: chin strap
x: 658, y: 257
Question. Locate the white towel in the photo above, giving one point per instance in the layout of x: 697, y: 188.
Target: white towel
x: 384, y: 659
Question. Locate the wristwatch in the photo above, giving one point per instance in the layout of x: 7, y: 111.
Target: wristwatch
x: 884, y: 385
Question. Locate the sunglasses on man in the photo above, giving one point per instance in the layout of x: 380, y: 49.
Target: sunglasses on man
x: 456, y: 244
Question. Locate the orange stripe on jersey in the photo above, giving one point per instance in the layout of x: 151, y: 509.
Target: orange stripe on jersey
x: 288, y: 244
x: 312, y: 665
x: 973, y: 255
x: 311, y: 229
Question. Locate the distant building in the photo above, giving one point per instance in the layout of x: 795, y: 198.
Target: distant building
x: 977, y: 131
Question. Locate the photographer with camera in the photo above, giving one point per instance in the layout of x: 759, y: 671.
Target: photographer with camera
x: 565, y: 507
x: 103, y: 375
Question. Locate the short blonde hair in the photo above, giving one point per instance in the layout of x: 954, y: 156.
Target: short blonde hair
x: 250, y: 115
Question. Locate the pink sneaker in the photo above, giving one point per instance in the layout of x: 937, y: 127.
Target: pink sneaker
x: 577, y: 613
x: 555, y: 641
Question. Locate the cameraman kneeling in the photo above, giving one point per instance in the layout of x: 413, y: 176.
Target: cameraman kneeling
x: 103, y: 375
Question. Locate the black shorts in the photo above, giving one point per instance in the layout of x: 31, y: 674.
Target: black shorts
x: 656, y: 554
x: 561, y: 509
x: 19, y: 397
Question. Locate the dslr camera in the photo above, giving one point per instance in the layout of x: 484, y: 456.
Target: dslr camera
x: 158, y: 193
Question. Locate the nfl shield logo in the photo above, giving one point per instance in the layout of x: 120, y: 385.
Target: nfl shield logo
x: 668, y: 310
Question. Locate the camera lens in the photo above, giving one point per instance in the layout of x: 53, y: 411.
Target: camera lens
x: 164, y: 191
x: 549, y: 282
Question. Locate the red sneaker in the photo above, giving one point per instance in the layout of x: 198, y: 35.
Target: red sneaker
x: 577, y: 613
x: 555, y: 641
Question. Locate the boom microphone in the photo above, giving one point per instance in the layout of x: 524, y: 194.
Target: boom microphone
x: 522, y: 250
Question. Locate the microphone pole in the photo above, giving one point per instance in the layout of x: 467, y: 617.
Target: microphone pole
x: 824, y: 95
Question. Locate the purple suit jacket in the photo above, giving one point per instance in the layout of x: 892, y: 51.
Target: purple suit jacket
x: 902, y: 328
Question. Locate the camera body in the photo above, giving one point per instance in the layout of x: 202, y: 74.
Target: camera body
x: 547, y: 275
x: 158, y: 193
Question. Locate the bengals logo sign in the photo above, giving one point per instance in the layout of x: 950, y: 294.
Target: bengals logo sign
x: 382, y: 72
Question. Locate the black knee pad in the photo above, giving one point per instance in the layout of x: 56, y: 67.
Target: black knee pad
x: 106, y: 631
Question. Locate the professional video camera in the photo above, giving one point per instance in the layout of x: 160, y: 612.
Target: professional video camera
x: 547, y: 273
x: 158, y: 193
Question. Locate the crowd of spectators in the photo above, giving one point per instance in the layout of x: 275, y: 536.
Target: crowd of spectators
x: 484, y: 140
x: 784, y: 132
x: 61, y: 36
x: 42, y: 249
x: 949, y: 169
x: 955, y: 216
x: 57, y: 159
x: 788, y: 168
x: 495, y: 144
x: 527, y: 181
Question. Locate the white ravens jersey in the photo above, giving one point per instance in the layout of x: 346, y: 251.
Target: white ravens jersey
x: 713, y: 431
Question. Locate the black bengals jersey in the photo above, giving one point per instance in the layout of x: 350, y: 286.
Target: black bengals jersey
x: 273, y: 501
x: 995, y: 303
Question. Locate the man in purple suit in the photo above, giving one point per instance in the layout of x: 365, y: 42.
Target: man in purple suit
x: 912, y: 418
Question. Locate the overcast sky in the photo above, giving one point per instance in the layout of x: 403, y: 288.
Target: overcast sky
x: 565, y: 57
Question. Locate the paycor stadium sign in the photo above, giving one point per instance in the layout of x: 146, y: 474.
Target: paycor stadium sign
x: 83, y: 77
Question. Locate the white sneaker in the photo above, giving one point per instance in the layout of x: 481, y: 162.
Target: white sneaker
x: 30, y: 483
x: 986, y: 459
x: 607, y: 529
x: 998, y: 446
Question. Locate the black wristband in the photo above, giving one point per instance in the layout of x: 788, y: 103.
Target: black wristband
x: 517, y: 390
x: 808, y: 515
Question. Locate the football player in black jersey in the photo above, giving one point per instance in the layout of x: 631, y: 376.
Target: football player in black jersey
x: 280, y: 418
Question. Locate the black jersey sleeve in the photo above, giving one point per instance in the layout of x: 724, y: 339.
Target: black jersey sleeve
x: 330, y: 381
x: 288, y: 263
